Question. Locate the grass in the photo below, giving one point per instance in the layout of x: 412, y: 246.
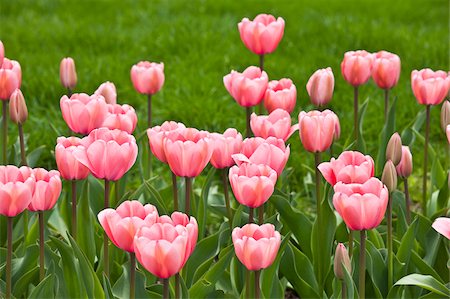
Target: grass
x: 199, y: 43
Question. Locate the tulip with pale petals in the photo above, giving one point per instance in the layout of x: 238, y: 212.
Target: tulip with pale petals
x: 357, y: 67
x: 317, y: 129
x: 256, y: 246
x: 386, y: 69
x: 68, y: 73
x: 18, y: 111
x: 147, y: 77
x: 122, y: 117
x: 69, y: 167
x: 430, y: 87
x: 276, y: 124
x: 280, y: 94
x: 156, y: 136
x: 224, y: 146
x: 448, y: 133
x: 16, y: 189
x: 341, y: 262
x: 320, y: 86
x: 108, y: 91
x: 47, y: 189
x: 442, y: 226
x: 405, y: 167
x: 10, y: 78
x: 394, y: 149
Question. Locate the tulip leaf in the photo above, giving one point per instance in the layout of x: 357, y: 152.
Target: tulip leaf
x: 162, y: 209
x: 438, y: 175
x: 444, y: 196
x: 20, y: 287
x: 350, y: 284
x: 107, y: 287
x: 406, y: 244
x: 86, y: 237
x: 386, y: 133
x: 45, y: 289
x: 203, y: 203
x: 426, y: 282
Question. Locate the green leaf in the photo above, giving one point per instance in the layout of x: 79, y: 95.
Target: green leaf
x: 425, y: 282
x: 86, y: 237
x: 361, y: 144
x: 20, y: 286
x: 438, y: 175
x: 107, y: 287
x: 33, y: 156
x: 203, y: 204
x: 350, y: 284
x: 45, y: 289
x: 155, y: 194
x: 386, y: 133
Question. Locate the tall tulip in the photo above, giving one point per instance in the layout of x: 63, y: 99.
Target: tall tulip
x: 430, y: 88
x: 280, y: 94
x: 68, y: 74
x: 18, y: 113
x: 320, y: 86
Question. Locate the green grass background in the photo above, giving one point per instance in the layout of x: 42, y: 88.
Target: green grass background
x: 199, y: 43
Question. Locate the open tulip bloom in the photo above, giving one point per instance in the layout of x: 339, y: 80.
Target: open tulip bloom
x: 276, y: 124
x: 280, y: 94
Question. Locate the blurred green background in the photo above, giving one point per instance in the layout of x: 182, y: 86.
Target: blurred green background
x: 199, y: 43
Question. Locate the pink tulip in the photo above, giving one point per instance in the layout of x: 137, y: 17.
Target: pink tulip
x: 263, y: 34
x: 280, y: 94
x: 108, y: 154
x: 18, y: 111
x: 122, y: 224
x: 277, y: 124
x: 256, y: 246
x: 83, y: 113
x: 190, y: 223
x: 429, y: 87
x: 357, y: 67
x: 247, y: 88
x: 252, y: 184
x: 385, y: 69
x: 108, y: 91
x: 68, y: 73
x: 361, y: 206
x: 341, y: 262
x: 442, y: 226
x: 224, y: 146
x: 68, y: 165
x: 47, y: 190
x: 272, y: 152
x: 10, y: 78
x: 188, y: 151
x: 320, y: 86
x: 122, y: 117
x: 161, y: 248
x: 147, y: 77
x: 2, y: 52
x: 156, y: 136
x: 14, y: 66
x: 16, y: 189
x: 349, y: 167
x: 405, y: 167
x: 317, y: 129
x: 448, y: 133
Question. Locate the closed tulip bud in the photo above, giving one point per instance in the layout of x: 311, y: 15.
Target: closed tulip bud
x: 389, y: 176
x: 445, y: 115
x: 108, y: 91
x: 18, y: 111
x: 2, y: 52
x: 68, y: 73
x: 341, y: 261
x: 448, y: 133
x: 394, y: 149
x: 405, y: 167
x: 320, y: 86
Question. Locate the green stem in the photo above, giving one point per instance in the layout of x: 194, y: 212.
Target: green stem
x: 257, y: 286
x: 261, y: 214
x: 74, y: 209
x: 250, y: 215
x: 5, y: 131
x: 355, y: 115
x: 9, y: 221
x: 261, y: 66
x: 362, y: 266
x: 175, y: 191
x: 247, y: 283
x: 187, y: 207
x: 389, y: 244
x: 350, y: 243
x: 425, y: 162
x: 165, y: 288
x: 407, y: 201
x: 149, y: 125
x: 386, y: 105
x: 105, y: 236
x: 344, y: 290
x: 41, y: 246
x: 25, y: 224
x: 132, y: 274
x: 248, y: 130
x: 317, y: 159
x: 223, y: 173
x: 23, y: 158
x: 69, y: 92
x: 177, y: 285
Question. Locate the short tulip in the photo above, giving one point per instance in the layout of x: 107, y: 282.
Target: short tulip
x: 122, y: 117
x: 445, y: 115
x: 47, y: 189
x: 361, y: 206
x: 69, y: 167
x: 448, y: 133
x: 317, y: 129
x: 357, y: 67
x: 247, y: 88
x: 256, y: 246
x: 108, y: 91
x: 280, y: 94
x: 122, y: 223
x: 320, y: 87
x: 263, y: 34
x: 18, y: 111
x: 442, y: 226
x: 341, y: 262
x: 10, y: 78
x: 147, y: 77
x: 276, y: 124
x: 156, y: 136
x: 429, y: 87
x: 225, y: 145
x: 68, y: 73
x: 394, y: 149
x: 386, y: 69
x: 405, y: 167
x: 16, y: 189
x: 252, y: 184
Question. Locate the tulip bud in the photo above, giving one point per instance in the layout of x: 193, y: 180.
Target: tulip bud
x: 445, y: 115
x: 2, y: 53
x: 341, y: 259
x: 394, y: 149
x: 18, y: 111
x: 405, y: 167
x: 68, y: 73
x: 389, y: 176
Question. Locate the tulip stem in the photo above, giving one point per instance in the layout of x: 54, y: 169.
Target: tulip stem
x: 74, y: 209
x: 165, y: 288
x: 355, y: 115
x: 23, y: 158
x: 175, y: 191
x: 223, y: 173
x: 261, y: 67
x: 408, y: 201
x: 187, y: 206
x: 425, y: 162
x: 362, y: 265
x: 261, y: 214
x: 248, y: 111
x: 247, y: 283
x: 344, y: 290
x: 350, y: 243
x: 250, y: 215
x: 5, y: 131
x: 132, y: 274
x: 386, y: 105
x: 41, y: 246
x: 389, y: 244
x: 9, y: 221
x: 317, y: 159
x: 257, y: 286
x: 105, y: 236
x: 149, y: 125
x: 69, y: 92
x: 177, y: 285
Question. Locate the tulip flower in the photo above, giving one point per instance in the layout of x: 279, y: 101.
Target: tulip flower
x: 320, y: 86
x: 14, y: 67
x: 256, y: 248
x: 385, y: 73
x: 68, y: 74
x: 356, y: 69
x: 18, y: 113
x: 8, y: 83
x: 16, y: 192
x: 448, y: 133
x: 83, y: 113
x: 442, y: 226
x: 108, y: 91
x: 148, y: 78
x: 445, y: 115
x: 341, y: 261
x: 394, y: 149
x: 429, y: 88
x: 247, y: 88
x: 276, y: 124
x: 316, y: 130
x: 122, y: 117
x: 280, y: 94
x: 2, y: 52
x: 121, y: 226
